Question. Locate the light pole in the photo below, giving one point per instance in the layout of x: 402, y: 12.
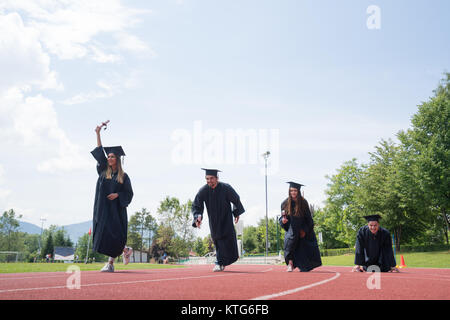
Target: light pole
x: 266, y: 156
x: 40, y: 238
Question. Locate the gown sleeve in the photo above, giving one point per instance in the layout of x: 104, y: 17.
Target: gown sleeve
x: 308, y: 225
x: 99, y: 155
x: 126, y: 195
x: 388, y: 259
x: 197, y: 207
x: 359, y: 249
x: 234, y: 198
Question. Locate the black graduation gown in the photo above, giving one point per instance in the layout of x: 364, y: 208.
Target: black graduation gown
x: 375, y: 249
x: 110, y: 221
x: 304, y: 252
x: 220, y: 212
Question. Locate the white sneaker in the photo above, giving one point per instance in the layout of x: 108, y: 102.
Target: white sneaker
x: 108, y: 267
x: 218, y: 268
x: 289, y: 268
x: 127, y: 254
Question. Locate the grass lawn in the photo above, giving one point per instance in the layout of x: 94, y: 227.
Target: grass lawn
x: 52, y: 267
x: 438, y: 259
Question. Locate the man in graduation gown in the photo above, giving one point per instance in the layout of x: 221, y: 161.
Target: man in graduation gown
x: 301, y: 249
x: 374, y: 247
x: 110, y: 220
x: 219, y: 198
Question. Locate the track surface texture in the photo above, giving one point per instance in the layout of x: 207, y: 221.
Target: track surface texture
x: 236, y: 282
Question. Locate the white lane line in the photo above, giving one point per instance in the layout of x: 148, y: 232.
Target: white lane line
x: 127, y: 282
x: 287, y: 292
x: 56, y: 274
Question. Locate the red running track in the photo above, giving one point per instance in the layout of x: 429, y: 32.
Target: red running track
x: 237, y: 282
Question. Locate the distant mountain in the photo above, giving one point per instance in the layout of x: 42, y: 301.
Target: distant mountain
x: 29, y: 228
x: 77, y: 230
x: 74, y: 231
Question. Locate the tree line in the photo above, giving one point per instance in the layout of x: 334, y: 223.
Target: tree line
x: 406, y: 182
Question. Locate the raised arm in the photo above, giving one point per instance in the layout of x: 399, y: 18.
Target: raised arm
x: 99, y: 140
x: 99, y: 154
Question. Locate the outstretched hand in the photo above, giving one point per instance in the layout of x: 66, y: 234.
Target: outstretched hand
x: 236, y: 219
x: 198, y: 223
x: 357, y: 269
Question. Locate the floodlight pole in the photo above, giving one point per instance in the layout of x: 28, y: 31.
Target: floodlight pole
x: 266, y: 156
x: 40, y: 238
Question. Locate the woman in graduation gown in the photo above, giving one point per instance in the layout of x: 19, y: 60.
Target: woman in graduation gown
x: 300, y: 244
x: 219, y: 198
x: 113, y: 193
x: 374, y: 247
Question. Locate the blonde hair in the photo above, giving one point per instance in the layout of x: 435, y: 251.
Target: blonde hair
x: 120, y: 173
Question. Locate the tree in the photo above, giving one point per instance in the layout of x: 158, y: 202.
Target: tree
x: 250, y: 239
x: 9, y: 226
x: 255, y: 237
x: 82, y: 249
x: 61, y: 238
x: 199, y: 247
x: 141, y: 228
x: 341, y: 217
x: 134, y: 238
x: 387, y: 189
x: 48, y: 247
x: 164, y: 241
x: 429, y: 139
x: 176, y: 218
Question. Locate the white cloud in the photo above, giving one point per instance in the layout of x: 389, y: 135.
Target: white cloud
x: 134, y: 44
x: 4, y: 193
x: 22, y: 59
x: 33, y: 122
x: 69, y: 28
x: 106, y: 88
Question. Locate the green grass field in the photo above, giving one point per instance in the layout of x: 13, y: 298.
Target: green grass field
x: 53, y: 267
x: 438, y: 259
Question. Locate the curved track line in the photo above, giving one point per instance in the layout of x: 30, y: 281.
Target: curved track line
x: 284, y: 293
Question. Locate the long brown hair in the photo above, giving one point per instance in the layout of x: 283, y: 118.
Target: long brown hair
x: 120, y: 173
x: 298, y: 209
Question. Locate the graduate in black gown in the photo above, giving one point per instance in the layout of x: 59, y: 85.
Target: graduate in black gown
x: 374, y: 247
x: 219, y: 198
x: 300, y: 243
x: 113, y: 193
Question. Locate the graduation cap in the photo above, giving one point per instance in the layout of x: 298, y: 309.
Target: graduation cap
x: 211, y: 172
x: 374, y: 217
x: 295, y: 185
x: 117, y: 151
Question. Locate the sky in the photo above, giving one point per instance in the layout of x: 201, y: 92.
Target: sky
x: 188, y: 84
